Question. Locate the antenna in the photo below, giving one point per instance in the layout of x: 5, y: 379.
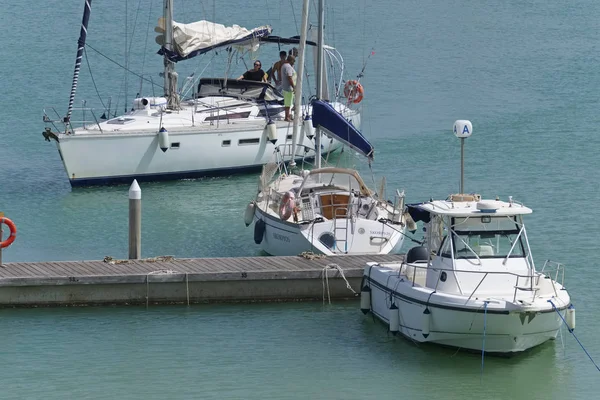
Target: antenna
x: 462, y: 130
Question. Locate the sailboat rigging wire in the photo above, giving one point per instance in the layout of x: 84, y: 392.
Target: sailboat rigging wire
x: 80, y: 47
x: 146, y: 47
x: 362, y: 71
x: 122, y: 66
x: 126, y: 54
x: 92, y: 76
x: 183, y: 94
x: 294, y: 14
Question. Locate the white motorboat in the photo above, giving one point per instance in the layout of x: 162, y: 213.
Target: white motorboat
x: 473, y: 284
x: 223, y: 126
x: 326, y: 210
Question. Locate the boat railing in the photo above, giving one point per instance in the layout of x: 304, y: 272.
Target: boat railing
x: 82, y: 118
x: 283, y: 155
x: 523, y: 282
x: 554, y: 270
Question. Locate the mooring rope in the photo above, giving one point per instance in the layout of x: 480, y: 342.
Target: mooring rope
x: 325, y: 280
x: 158, y: 272
x: 485, y: 304
x: 187, y: 288
x: 573, y: 333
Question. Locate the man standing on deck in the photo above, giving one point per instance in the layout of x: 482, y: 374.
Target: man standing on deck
x: 275, y: 74
x: 288, y: 84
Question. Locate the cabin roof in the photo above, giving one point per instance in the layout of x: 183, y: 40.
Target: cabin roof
x: 474, y: 207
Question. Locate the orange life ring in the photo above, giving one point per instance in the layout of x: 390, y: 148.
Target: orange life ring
x: 354, y: 91
x: 286, y: 207
x: 13, y: 232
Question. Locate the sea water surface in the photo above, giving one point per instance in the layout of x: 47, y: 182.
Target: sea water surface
x: 525, y: 73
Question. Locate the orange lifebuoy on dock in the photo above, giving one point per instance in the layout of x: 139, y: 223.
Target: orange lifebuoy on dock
x: 354, y: 91
x: 13, y: 232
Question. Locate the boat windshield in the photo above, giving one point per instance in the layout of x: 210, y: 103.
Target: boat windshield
x: 251, y: 90
x: 328, y: 181
x: 494, y: 238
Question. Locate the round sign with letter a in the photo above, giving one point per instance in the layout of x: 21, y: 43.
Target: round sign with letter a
x: 462, y: 128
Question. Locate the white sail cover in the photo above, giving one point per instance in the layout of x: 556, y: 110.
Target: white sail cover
x: 202, y: 36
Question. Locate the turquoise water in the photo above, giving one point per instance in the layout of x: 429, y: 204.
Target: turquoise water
x: 525, y: 73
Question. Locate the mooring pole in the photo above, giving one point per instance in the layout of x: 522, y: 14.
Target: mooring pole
x: 462, y: 165
x: 135, y: 221
x: 462, y: 129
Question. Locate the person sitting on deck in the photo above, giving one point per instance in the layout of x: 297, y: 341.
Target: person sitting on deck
x: 255, y: 74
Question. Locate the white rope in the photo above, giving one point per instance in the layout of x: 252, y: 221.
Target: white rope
x: 187, y: 288
x: 160, y: 272
x: 325, y: 280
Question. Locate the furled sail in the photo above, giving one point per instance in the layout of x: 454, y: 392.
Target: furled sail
x: 327, y: 118
x: 190, y: 40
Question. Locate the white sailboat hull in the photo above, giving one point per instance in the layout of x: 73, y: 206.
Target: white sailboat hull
x: 283, y: 238
x: 102, y: 158
x: 456, y: 321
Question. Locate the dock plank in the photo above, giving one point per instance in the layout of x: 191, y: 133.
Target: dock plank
x: 98, y: 282
x: 187, y: 265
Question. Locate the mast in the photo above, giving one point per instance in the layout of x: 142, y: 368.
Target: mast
x: 299, y: 74
x: 80, y: 47
x: 169, y: 67
x: 319, y: 79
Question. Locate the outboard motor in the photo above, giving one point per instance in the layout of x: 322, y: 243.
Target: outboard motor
x: 417, y: 253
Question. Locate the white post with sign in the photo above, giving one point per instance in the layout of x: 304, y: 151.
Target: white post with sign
x: 1, y: 216
x: 462, y: 130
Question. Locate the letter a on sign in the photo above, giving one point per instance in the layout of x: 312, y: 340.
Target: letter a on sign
x: 462, y: 128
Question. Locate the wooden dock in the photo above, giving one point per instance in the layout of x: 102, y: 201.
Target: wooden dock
x: 183, y: 280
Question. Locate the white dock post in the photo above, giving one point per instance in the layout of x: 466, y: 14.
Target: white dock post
x: 135, y: 221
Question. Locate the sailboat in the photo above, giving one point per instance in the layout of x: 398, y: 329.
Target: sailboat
x: 226, y: 126
x: 324, y: 210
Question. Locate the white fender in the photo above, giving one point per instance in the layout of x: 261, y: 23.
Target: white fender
x: 365, y: 299
x: 394, y: 319
x: 426, y: 322
x: 271, y: 130
x: 570, y: 317
x: 163, y: 139
x: 249, y: 213
x: 307, y: 128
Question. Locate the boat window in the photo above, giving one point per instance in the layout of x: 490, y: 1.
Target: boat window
x: 175, y: 145
x: 120, y: 121
x: 226, y: 143
x: 329, y: 181
x: 227, y: 116
x: 488, y: 244
x: 445, y: 250
x: 250, y: 90
x: 242, y: 142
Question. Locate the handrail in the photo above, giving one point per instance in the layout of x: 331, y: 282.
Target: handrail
x: 486, y: 274
x: 513, y: 245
